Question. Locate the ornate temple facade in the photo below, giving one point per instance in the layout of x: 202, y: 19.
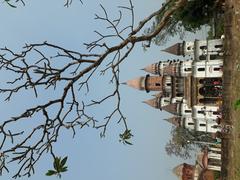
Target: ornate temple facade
x: 189, y: 89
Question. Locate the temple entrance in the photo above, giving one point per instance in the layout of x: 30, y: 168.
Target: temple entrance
x: 211, y: 81
x: 211, y: 91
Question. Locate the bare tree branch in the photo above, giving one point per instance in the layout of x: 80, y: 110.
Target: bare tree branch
x: 44, y: 67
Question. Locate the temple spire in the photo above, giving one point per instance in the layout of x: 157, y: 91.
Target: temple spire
x: 175, y: 120
x: 171, y: 108
x: 176, y: 49
x: 152, y: 68
x: 137, y: 83
x: 152, y: 102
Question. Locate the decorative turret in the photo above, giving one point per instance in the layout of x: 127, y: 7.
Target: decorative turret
x: 178, y: 171
x: 172, y: 69
x: 137, y: 83
x: 175, y: 120
x: 158, y: 102
x: 181, y: 49
x: 148, y: 83
x: 153, y: 68
x: 167, y: 68
x: 176, y: 49
x: 200, y: 49
x: 184, y: 171
x: 157, y: 68
x: 155, y: 102
x: 186, y: 68
x: 172, y: 108
x: 153, y: 83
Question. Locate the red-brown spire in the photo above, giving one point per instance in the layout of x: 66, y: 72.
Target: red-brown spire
x: 171, y: 108
x: 176, y: 49
x: 153, y: 102
x: 175, y: 120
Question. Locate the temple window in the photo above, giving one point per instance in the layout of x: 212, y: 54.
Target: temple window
x: 219, y: 46
x: 179, y: 94
x: 200, y: 112
x: 216, y: 113
x: 213, y: 56
x: 217, y: 69
x: 157, y: 84
x: 202, y: 125
x: 190, y: 124
x: 203, y: 57
x: 203, y: 47
x: 201, y: 69
x: 187, y: 69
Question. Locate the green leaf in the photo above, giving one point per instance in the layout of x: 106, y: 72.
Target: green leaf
x: 64, y: 169
x: 63, y: 162
x: 56, y: 164
x: 50, y: 173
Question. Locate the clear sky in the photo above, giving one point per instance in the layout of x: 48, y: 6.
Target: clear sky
x: 90, y: 157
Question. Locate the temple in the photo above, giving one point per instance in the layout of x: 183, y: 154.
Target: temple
x: 189, y: 89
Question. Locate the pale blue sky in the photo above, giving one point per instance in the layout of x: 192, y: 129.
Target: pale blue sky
x: 92, y: 158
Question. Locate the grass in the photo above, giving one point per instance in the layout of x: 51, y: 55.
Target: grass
x: 231, y: 149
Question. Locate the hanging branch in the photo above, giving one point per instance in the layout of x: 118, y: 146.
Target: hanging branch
x: 48, y: 67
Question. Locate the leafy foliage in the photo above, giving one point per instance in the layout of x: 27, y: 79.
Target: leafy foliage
x: 59, y: 167
x: 171, y: 28
x: 189, y: 18
x: 195, y: 14
x: 125, y: 137
x: 183, y: 142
